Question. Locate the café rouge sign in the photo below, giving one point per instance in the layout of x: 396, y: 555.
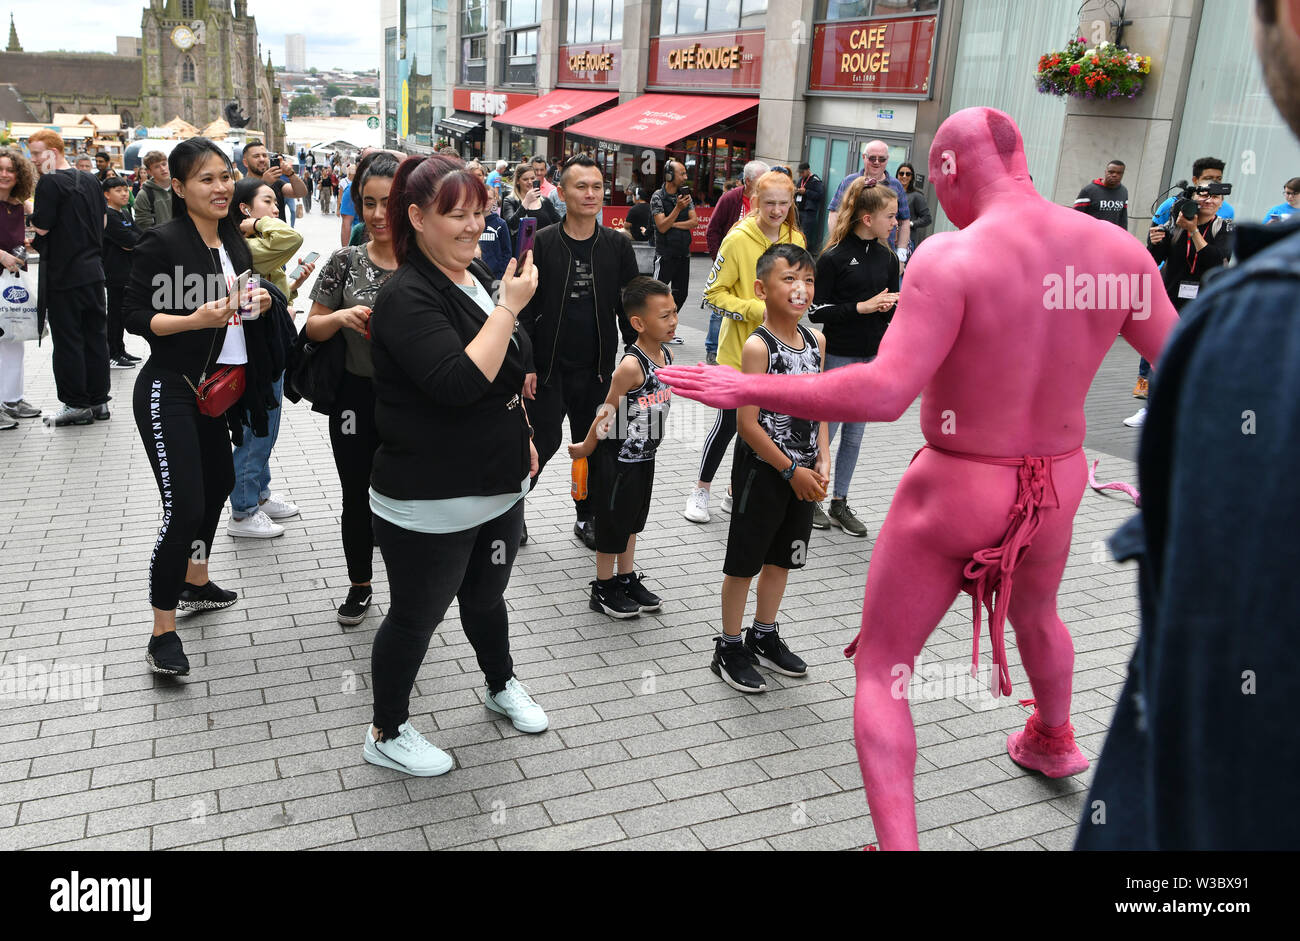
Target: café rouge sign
x: 702, y: 57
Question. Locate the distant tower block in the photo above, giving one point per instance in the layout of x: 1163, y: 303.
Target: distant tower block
x: 295, y: 52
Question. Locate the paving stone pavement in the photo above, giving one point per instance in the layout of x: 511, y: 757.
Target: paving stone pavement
x: 260, y: 746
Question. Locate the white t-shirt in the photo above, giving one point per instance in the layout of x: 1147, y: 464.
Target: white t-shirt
x: 233, y: 351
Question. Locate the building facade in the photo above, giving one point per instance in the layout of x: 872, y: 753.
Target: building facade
x: 717, y: 82
x: 199, y: 56
x: 295, y: 52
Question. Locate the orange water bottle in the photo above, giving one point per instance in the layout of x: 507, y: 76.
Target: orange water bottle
x: 579, y: 487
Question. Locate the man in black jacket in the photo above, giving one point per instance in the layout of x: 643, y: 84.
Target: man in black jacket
x: 575, y: 318
x: 120, y: 236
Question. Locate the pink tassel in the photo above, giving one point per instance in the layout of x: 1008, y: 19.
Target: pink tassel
x: 1113, y: 485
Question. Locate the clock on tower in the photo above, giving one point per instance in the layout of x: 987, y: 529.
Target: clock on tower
x: 183, y: 38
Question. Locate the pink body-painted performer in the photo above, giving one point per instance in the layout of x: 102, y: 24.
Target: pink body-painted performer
x: 1003, y: 360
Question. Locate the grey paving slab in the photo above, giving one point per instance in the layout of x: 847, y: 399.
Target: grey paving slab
x: 647, y: 749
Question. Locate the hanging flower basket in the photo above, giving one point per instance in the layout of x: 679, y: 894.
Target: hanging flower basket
x: 1104, y: 71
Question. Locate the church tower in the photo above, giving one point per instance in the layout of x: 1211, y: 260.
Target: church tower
x: 14, y: 44
x: 199, y: 57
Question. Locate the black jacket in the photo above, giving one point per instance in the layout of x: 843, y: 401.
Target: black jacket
x: 120, y: 238
x: 177, y: 248
x: 1173, y: 250
x: 444, y: 429
x: 613, y: 265
x: 849, y: 272
x: 512, y: 210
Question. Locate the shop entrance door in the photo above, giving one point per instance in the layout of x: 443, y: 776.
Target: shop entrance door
x: 834, y: 154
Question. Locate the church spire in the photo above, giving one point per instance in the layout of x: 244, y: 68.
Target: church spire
x: 14, y: 44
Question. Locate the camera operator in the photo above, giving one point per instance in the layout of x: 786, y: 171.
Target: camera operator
x: 1190, y: 246
x: 259, y: 163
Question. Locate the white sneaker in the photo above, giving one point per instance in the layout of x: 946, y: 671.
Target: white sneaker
x: 697, y: 506
x: 1138, y: 419
x: 278, y: 508
x: 257, y: 526
x: 514, y: 701
x: 410, y: 752
x: 726, y: 501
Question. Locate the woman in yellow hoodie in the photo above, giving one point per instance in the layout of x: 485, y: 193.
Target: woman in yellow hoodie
x: 730, y: 291
x: 271, y: 240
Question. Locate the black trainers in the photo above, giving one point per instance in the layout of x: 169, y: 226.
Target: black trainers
x: 635, y: 589
x: 735, y: 664
x: 609, y: 598
x: 205, y: 598
x: 166, y: 655
x: 585, y: 530
x: 523, y: 537
x: 121, y: 362
x: 100, y: 412
x: 770, y: 650
x: 353, y: 611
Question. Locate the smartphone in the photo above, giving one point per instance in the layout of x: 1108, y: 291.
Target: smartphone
x: 297, y: 272
x: 537, y: 184
x: 527, y: 229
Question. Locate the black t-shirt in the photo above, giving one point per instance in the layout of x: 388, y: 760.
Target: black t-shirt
x: 70, y: 204
x: 675, y: 242
x: 578, y: 344
x: 641, y: 224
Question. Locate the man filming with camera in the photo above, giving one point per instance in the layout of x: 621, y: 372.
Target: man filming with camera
x: 1194, y: 243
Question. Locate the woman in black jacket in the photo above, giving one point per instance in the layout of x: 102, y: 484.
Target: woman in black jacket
x: 184, y: 299
x: 526, y: 202
x: 916, y: 204
x: 455, y: 454
x: 857, y: 289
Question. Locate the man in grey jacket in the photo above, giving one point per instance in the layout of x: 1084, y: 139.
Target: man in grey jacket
x: 153, y: 204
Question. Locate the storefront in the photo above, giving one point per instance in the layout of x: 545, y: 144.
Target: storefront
x: 552, y: 114
x: 514, y: 143
x: 464, y: 131
x: 867, y: 77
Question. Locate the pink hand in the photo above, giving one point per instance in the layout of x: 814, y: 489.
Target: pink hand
x: 717, y: 386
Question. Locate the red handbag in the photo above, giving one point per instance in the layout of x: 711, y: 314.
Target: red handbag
x: 218, y: 393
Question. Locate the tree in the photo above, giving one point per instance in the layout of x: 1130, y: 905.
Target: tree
x: 313, y: 70
x: 303, y: 105
x: 344, y: 107
x: 365, y: 109
x: 371, y: 91
x: 332, y: 90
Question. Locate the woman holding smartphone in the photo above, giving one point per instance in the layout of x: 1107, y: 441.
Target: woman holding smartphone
x: 199, y: 253
x: 857, y: 290
x: 455, y: 456
x: 527, y: 202
x: 342, y: 299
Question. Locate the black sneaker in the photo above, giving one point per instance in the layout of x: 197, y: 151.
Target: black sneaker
x: 735, y: 664
x: 585, y: 530
x: 353, y: 611
x: 609, y: 598
x: 166, y: 655
x: 131, y: 358
x: 205, y: 598
x: 121, y: 362
x: 770, y: 650
x: 70, y: 416
x: 523, y: 537
x: 100, y: 412
x: 635, y: 589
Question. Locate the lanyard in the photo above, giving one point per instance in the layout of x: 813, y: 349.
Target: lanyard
x: 1193, y: 256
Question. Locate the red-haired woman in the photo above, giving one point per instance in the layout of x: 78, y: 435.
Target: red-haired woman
x: 455, y: 455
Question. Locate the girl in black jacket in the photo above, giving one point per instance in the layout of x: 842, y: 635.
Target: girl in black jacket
x: 183, y: 299
x: 455, y: 454
x: 857, y: 289
x: 526, y: 201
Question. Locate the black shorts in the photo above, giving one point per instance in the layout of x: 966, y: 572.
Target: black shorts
x: 621, y: 495
x: 769, y: 524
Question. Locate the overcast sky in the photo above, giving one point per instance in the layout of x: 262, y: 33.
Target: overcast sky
x: 340, y: 33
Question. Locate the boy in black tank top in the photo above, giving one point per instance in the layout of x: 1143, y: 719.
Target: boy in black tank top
x: 621, y: 445
x: 779, y: 473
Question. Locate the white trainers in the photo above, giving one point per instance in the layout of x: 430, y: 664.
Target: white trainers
x: 697, y: 506
x: 1138, y: 419
x: 726, y: 501
x: 410, y: 752
x: 514, y: 701
x: 278, y: 508
x: 257, y: 526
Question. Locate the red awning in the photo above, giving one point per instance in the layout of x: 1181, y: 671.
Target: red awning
x: 549, y: 110
x: 658, y: 120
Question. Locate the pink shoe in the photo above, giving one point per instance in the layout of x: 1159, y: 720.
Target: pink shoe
x: 1051, y: 751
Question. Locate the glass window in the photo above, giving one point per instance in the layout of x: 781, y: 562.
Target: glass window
x: 584, y: 21
x: 473, y: 18
x: 187, y: 71
x: 1228, y: 114
x: 668, y: 17
x: 723, y: 14
x: 616, y: 22
x: 187, y: 9
x: 520, y: 67
x: 521, y: 13
x: 692, y: 15
x: 601, y: 16
x: 570, y: 20
x: 997, y: 38
x: 752, y: 14
x: 857, y: 9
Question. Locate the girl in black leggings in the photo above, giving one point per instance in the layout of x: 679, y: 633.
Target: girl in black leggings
x: 183, y: 299
x: 342, y: 300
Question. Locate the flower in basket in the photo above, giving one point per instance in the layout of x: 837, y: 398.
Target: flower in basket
x: 1103, y: 71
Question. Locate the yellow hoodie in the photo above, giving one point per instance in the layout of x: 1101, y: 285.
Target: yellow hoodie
x: 730, y: 288
x: 273, y: 246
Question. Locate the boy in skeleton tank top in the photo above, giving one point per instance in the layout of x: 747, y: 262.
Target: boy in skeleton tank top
x: 779, y: 473
x: 622, y: 444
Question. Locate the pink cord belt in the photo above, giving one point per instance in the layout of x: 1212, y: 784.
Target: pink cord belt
x: 989, y: 572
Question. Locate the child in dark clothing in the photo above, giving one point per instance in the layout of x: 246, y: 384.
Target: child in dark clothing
x: 621, y: 444
x: 120, y: 237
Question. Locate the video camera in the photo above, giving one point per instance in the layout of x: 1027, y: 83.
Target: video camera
x: 1186, y: 205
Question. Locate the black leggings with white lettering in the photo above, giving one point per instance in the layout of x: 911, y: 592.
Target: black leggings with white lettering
x: 194, y: 469
x: 716, y: 444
